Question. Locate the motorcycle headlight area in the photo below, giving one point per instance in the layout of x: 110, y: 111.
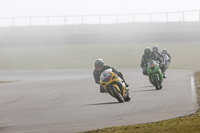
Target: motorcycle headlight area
x: 106, y: 76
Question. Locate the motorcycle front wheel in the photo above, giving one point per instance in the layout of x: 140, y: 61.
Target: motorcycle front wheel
x: 156, y: 83
x: 117, y: 94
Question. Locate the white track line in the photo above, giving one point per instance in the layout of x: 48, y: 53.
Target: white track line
x: 193, y: 89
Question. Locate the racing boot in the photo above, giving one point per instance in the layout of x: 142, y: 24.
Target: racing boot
x: 164, y: 75
x: 127, y: 85
x: 127, y: 90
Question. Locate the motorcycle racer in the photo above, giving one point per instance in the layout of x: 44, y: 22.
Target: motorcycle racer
x: 165, y: 52
x: 99, y: 68
x: 167, y: 59
x: 147, y: 56
x: 155, y: 50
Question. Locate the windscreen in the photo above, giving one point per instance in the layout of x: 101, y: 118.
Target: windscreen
x: 152, y: 63
x: 105, y: 74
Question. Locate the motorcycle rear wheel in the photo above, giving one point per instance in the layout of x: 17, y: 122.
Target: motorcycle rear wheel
x: 128, y: 97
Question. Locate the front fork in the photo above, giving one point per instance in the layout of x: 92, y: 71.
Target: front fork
x: 119, y: 87
x: 159, y: 76
x: 122, y: 88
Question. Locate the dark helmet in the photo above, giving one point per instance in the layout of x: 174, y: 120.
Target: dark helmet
x: 99, y: 63
x: 155, y: 48
x: 147, y: 51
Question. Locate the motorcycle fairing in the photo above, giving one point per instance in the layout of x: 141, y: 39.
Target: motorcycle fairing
x: 109, y: 78
x: 154, y: 69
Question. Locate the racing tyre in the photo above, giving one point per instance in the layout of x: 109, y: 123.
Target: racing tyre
x: 117, y: 94
x: 156, y: 82
x: 128, y: 97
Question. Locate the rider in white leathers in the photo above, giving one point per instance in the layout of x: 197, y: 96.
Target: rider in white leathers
x: 167, y: 58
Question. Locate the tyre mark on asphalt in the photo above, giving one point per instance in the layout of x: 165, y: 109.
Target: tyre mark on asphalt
x: 13, y: 101
x: 60, y: 95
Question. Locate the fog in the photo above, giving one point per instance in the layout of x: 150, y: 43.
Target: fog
x: 63, y: 47
x: 47, y: 59
x: 17, y: 8
x: 100, y: 34
x: 42, y: 44
x: 67, y: 12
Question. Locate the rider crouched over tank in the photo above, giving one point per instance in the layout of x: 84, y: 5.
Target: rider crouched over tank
x: 166, y: 58
x: 148, y: 56
x: 164, y: 52
x: 99, y: 68
x: 155, y: 50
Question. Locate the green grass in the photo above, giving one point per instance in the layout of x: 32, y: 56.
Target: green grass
x: 184, y: 55
x: 187, y: 124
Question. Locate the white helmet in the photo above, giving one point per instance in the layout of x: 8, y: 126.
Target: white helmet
x: 155, y: 48
x: 164, y: 51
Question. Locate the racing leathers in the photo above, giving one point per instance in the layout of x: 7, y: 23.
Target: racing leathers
x: 160, y: 55
x: 168, y: 56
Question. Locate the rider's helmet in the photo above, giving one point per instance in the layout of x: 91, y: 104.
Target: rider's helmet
x: 155, y: 48
x: 164, y: 51
x: 99, y: 63
x: 147, y: 51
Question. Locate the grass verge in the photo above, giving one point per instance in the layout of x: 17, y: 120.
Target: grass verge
x: 7, y: 81
x: 186, y: 124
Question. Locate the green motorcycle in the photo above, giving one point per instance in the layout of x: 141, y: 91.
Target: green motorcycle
x: 155, y: 74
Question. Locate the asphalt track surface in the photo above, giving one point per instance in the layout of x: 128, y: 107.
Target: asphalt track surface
x: 67, y: 101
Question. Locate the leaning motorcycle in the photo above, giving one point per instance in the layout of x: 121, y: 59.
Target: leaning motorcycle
x: 114, y: 85
x: 155, y: 74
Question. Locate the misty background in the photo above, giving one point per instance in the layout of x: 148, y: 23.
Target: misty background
x: 61, y: 46
x: 101, y: 34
